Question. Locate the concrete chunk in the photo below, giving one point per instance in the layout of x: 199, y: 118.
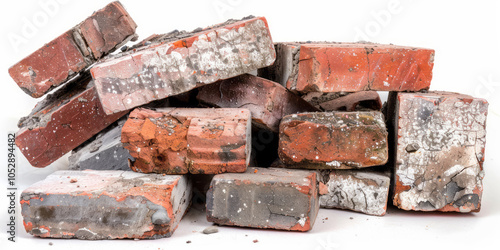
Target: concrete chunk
x: 439, y: 151
x: 333, y: 140
x: 182, y: 140
x: 75, y: 50
x: 364, y: 191
x: 100, y: 205
x: 281, y: 199
x: 177, y: 62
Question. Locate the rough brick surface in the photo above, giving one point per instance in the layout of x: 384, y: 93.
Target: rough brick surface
x: 73, y: 51
x: 364, y: 191
x: 182, y: 140
x: 363, y: 100
x: 178, y: 62
x: 267, y: 101
x: 61, y: 122
x: 333, y: 140
x: 350, y: 67
x: 104, y: 151
x: 97, y: 205
x: 440, y: 151
x: 282, y: 199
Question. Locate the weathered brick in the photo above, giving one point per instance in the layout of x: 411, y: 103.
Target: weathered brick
x: 362, y: 190
x: 182, y: 140
x: 439, y: 151
x: 104, y: 151
x: 333, y: 140
x: 267, y: 101
x: 177, y: 62
x: 61, y: 122
x: 96, y: 205
x: 363, y: 100
x: 75, y: 50
x: 282, y: 199
x: 350, y: 67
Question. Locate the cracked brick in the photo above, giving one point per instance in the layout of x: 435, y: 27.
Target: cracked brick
x: 61, y: 122
x: 267, y: 101
x: 182, y: 140
x: 333, y: 140
x: 74, y: 51
x: 362, y: 190
x: 335, y: 67
x: 177, y: 62
x: 439, y: 151
x: 283, y: 199
x: 98, y: 205
x: 104, y: 151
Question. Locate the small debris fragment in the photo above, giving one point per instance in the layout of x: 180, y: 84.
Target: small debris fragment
x: 211, y: 230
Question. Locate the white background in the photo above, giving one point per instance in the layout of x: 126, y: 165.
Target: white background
x: 464, y: 34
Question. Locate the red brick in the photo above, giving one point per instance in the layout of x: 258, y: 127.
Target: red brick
x: 283, y: 199
x: 177, y: 62
x: 333, y: 140
x: 72, y: 52
x: 351, y: 67
x: 440, y: 144
x: 97, y: 205
x: 182, y: 140
x: 61, y: 122
x: 267, y: 101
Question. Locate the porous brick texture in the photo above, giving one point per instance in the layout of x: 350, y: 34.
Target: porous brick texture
x: 96, y: 205
x: 333, y: 140
x: 350, y: 67
x: 363, y: 190
x: 267, y: 101
x: 182, y: 140
x: 283, y: 199
x: 104, y: 151
x: 61, y: 122
x: 177, y: 62
x: 440, y: 140
x: 75, y: 50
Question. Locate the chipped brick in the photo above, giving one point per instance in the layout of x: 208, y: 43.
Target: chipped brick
x: 182, y: 140
x: 104, y: 151
x: 333, y: 140
x: 350, y: 67
x: 363, y: 190
x: 61, y: 122
x: 75, y: 50
x: 439, y: 151
x: 283, y: 199
x: 177, y: 62
x: 267, y: 101
x: 105, y: 205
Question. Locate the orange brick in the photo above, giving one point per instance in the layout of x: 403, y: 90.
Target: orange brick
x: 351, y: 67
x: 333, y: 140
x: 182, y: 140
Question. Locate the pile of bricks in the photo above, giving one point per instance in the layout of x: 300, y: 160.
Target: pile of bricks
x: 142, y: 120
